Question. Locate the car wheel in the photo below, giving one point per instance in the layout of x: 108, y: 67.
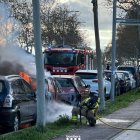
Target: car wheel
x: 106, y: 95
x: 16, y: 123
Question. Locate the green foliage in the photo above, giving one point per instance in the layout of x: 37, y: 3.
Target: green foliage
x: 127, y: 38
x: 63, y: 120
x: 120, y: 102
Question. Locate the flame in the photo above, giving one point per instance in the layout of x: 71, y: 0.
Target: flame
x: 28, y: 79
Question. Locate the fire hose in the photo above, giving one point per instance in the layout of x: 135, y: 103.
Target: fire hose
x: 133, y: 129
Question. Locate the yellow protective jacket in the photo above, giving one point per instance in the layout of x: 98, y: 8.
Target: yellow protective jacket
x: 91, y: 102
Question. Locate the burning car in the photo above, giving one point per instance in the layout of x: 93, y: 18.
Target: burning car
x: 54, y: 89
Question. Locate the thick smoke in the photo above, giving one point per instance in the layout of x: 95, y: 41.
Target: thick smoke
x: 14, y: 60
x: 54, y: 110
x: 7, y: 68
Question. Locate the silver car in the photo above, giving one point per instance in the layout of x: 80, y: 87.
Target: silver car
x: 90, y: 78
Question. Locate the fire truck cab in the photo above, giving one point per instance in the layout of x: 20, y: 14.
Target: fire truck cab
x: 62, y: 60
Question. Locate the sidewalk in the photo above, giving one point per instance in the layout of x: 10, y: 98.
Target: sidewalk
x: 124, y: 117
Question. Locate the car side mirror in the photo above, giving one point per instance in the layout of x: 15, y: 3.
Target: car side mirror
x: 128, y: 78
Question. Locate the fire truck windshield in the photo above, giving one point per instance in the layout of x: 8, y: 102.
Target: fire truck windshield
x: 60, y: 58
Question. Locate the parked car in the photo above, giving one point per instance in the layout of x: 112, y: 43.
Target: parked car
x: 90, y: 78
x: 17, y: 102
x: 74, y: 87
x: 131, y: 83
x: 123, y: 82
x: 134, y: 70
x: 107, y: 75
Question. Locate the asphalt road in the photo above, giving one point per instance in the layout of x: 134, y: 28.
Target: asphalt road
x: 125, y: 117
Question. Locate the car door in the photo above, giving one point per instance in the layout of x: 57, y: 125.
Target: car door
x: 31, y: 100
x: 127, y: 79
x: 58, y: 89
x: 22, y: 99
x: 51, y: 88
x: 84, y: 91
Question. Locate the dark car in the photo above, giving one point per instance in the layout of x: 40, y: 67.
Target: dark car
x: 127, y: 75
x: 17, y: 102
x: 74, y: 87
x: 123, y: 82
x: 134, y: 70
x: 107, y: 75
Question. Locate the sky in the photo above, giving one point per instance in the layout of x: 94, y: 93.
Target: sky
x: 86, y: 16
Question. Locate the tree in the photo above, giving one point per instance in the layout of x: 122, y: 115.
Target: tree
x: 61, y: 26
x: 125, y: 5
x: 128, y: 37
x: 9, y: 27
x: 58, y: 23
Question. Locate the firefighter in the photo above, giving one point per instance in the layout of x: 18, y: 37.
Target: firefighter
x: 87, y: 108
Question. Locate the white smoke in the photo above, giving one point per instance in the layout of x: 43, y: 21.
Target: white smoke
x: 55, y: 109
x: 9, y: 27
x: 18, y: 59
x: 12, y: 58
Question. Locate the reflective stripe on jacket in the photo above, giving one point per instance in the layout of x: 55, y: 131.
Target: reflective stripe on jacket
x: 74, y: 118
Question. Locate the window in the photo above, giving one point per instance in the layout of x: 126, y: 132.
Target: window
x: 58, y: 87
x: 80, y: 58
x: 51, y: 87
x: 2, y: 87
x: 64, y: 82
x: 63, y: 58
x: 17, y: 87
x: 80, y: 82
x: 26, y: 87
x: 85, y: 75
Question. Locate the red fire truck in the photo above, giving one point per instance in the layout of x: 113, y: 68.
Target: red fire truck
x: 62, y: 60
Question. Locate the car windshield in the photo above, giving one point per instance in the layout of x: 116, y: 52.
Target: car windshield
x: 60, y: 58
x: 64, y: 82
x: 87, y: 75
x: 107, y: 74
x: 120, y: 75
